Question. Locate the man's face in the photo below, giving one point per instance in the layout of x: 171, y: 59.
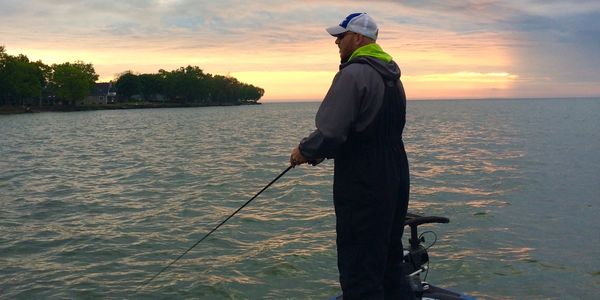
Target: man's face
x: 347, y: 44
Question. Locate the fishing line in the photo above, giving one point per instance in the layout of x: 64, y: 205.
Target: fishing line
x: 434, y: 238
x: 427, y: 248
x: 214, y: 229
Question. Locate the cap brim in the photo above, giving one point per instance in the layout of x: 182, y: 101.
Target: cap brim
x: 336, y: 30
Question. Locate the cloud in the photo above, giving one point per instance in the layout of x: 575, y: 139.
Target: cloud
x: 549, y: 41
x: 563, y: 46
x: 555, y: 40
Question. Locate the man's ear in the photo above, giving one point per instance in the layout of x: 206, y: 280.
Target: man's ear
x: 361, y: 39
x: 358, y: 38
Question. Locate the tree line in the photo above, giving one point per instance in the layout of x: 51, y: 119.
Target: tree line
x: 24, y: 82
x: 186, y: 85
x: 28, y: 83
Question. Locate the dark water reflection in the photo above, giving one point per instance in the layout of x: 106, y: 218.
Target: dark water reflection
x: 94, y: 203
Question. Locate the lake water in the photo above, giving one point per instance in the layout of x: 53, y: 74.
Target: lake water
x: 94, y: 203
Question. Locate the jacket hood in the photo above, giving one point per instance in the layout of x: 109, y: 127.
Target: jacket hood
x: 373, y: 55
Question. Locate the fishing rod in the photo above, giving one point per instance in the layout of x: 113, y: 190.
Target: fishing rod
x: 214, y: 229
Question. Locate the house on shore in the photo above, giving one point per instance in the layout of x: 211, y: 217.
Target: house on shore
x: 103, y: 93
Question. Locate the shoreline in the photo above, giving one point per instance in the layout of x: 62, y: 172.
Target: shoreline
x: 12, y: 110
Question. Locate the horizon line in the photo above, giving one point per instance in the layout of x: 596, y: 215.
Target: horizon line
x: 443, y: 99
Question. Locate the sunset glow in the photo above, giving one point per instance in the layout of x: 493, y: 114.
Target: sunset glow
x: 474, y: 49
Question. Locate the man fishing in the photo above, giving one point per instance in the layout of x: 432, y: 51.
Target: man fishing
x: 359, y: 124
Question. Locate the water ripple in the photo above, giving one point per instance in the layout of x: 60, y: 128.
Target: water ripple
x: 94, y: 203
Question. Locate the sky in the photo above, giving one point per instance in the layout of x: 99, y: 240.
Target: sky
x: 446, y: 49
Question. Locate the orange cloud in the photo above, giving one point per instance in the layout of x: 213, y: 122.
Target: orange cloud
x: 460, y: 85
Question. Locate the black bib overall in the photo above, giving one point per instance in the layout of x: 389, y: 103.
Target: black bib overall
x: 371, y: 189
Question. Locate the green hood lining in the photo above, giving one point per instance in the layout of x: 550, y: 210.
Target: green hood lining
x: 372, y: 50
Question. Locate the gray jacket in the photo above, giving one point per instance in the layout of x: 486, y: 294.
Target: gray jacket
x: 351, y: 104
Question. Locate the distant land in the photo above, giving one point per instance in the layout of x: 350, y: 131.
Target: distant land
x: 27, y: 86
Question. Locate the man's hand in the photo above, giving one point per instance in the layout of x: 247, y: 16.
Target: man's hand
x: 296, y: 158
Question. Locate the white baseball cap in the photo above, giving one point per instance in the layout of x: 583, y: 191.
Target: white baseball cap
x: 356, y: 22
